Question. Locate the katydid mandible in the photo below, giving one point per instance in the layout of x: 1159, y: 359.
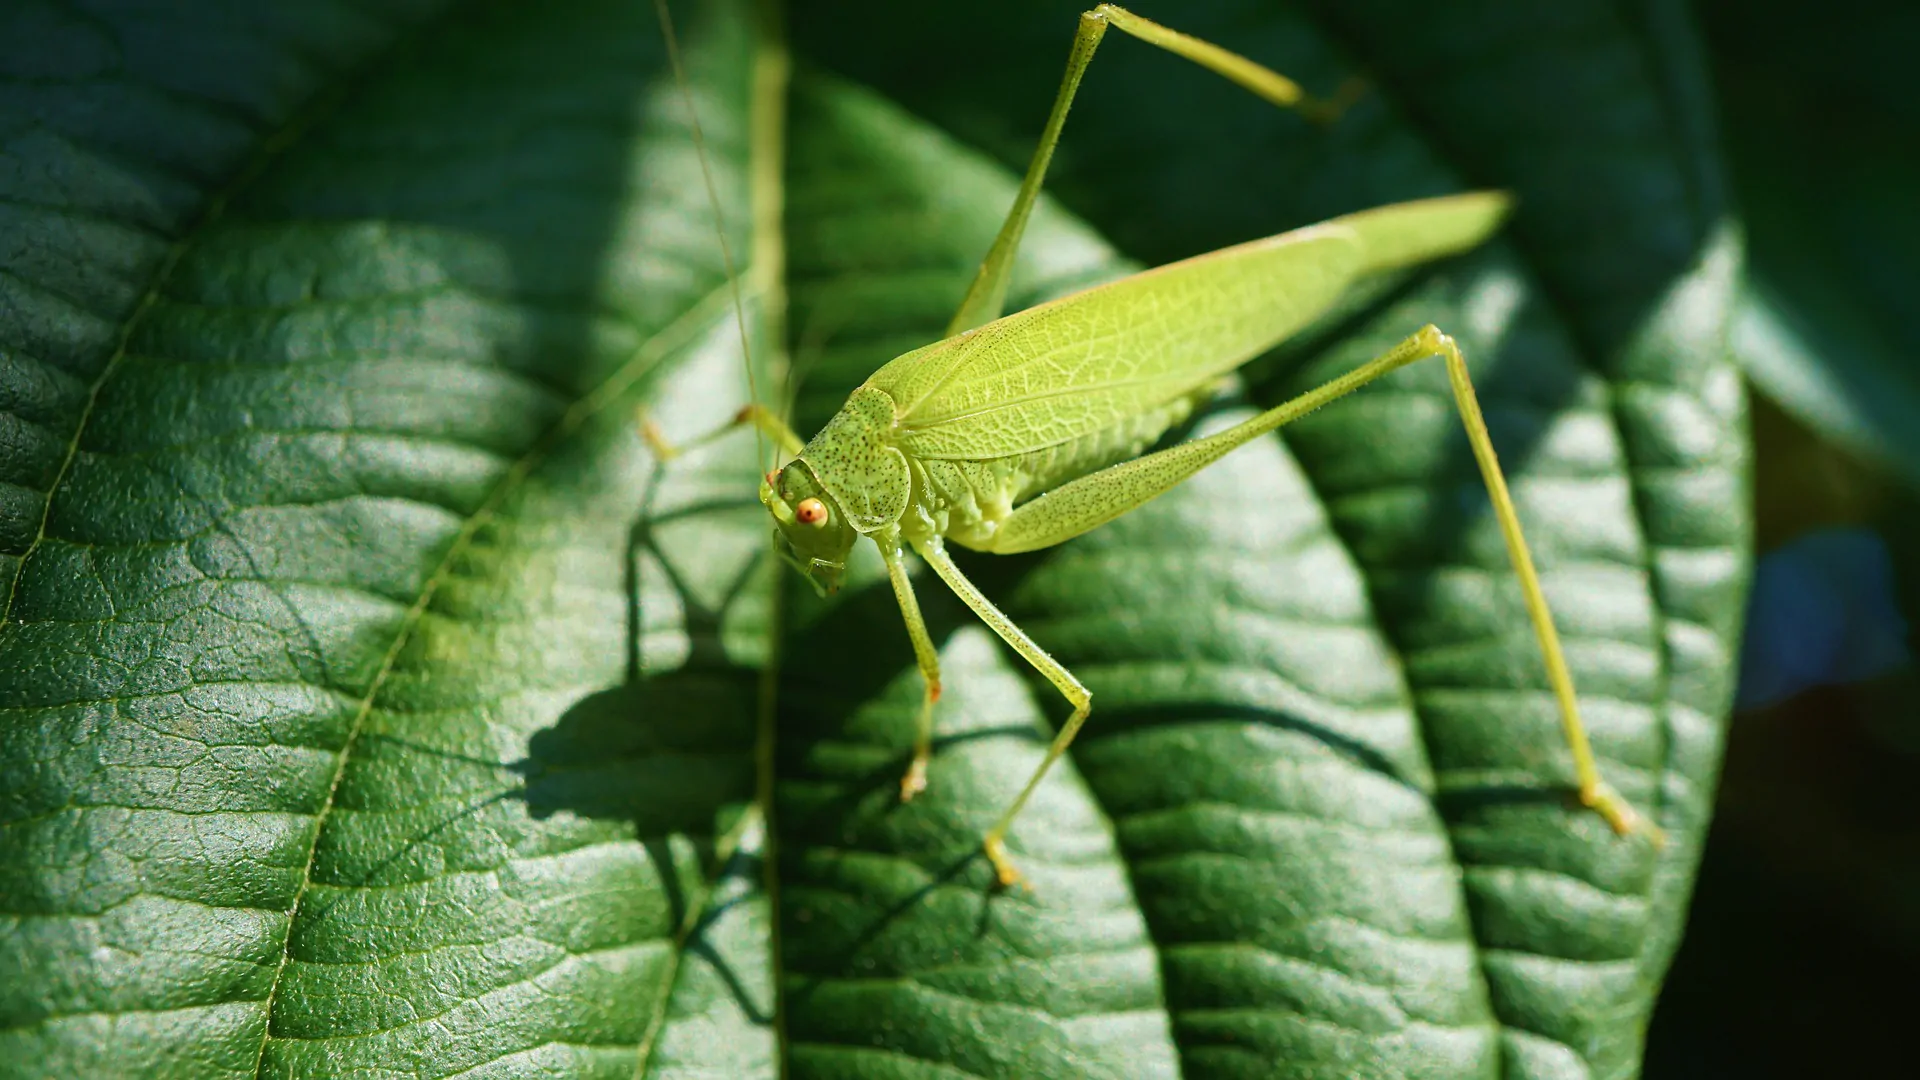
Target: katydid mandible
x: 1021, y: 432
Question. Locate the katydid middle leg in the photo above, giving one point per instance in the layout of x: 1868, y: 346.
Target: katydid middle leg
x: 1076, y: 693
x: 987, y: 297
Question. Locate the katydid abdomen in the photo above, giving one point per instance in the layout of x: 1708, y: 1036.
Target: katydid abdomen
x: 967, y: 500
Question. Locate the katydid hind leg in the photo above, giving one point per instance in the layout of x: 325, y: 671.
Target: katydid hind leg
x: 1076, y: 693
x: 1593, y: 791
x: 1093, y: 500
x: 987, y: 296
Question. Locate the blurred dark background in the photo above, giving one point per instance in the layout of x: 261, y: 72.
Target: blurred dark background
x: 1806, y: 921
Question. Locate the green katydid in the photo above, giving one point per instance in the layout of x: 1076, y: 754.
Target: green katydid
x: 1020, y: 432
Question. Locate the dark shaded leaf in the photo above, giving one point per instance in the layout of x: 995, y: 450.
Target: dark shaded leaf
x: 1821, y: 134
x: 375, y: 704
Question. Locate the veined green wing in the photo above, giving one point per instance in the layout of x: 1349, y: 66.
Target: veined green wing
x: 1055, y: 372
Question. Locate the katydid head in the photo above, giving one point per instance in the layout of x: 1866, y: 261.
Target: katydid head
x: 811, y: 533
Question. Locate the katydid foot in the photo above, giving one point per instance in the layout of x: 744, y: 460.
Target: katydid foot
x: 1618, y: 813
x: 1005, y: 874
x: 915, y: 780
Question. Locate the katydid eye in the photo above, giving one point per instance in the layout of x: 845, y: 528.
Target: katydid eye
x: 811, y: 512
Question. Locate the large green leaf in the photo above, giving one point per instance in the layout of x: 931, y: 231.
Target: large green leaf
x: 322, y: 754
x: 375, y: 704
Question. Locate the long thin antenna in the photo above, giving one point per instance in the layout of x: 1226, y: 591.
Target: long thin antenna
x: 719, y: 220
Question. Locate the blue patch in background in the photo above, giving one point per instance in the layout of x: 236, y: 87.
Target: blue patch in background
x: 1822, y: 612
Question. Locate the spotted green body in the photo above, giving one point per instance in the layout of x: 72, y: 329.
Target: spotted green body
x: 950, y: 439
x: 1020, y: 432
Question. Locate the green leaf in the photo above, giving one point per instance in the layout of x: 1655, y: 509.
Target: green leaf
x: 323, y: 749
x: 375, y: 703
x: 1824, y: 327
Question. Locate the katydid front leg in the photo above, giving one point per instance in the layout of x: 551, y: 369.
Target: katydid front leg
x: 759, y: 416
